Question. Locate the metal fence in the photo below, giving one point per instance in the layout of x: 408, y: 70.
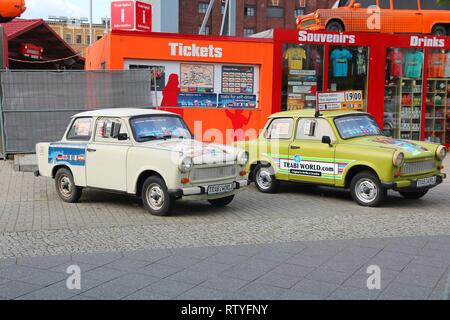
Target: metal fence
x: 36, y: 105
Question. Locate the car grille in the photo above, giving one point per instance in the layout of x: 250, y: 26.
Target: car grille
x: 418, y: 167
x: 214, y: 173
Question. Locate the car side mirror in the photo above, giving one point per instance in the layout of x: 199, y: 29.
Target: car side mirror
x: 357, y: 5
x: 122, y: 137
x: 326, y: 140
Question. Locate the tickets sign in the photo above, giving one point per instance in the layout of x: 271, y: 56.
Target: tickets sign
x: 340, y: 100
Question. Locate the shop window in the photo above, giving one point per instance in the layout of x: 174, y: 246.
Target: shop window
x: 433, y: 5
x: 248, y: 32
x: 406, y: 4
x: 403, y: 93
x: 437, y: 113
x: 249, y: 11
x: 275, y: 12
x: 299, y: 12
x: 202, y: 7
x: 302, y: 76
x: 348, y: 69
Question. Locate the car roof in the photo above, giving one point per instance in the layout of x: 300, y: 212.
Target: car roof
x: 312, y: 112
x: 122, y: 112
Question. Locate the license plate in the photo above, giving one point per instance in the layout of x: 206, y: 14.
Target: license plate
x: 426, y: 182
x: 224, y: 188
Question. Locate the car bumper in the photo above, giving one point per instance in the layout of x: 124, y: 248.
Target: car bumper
x: 201, y: 192
x: 410, y: 184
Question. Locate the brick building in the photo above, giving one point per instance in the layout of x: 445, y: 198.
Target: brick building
x: 252, y: 15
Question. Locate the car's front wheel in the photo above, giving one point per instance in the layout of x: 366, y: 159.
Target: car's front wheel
x: 367, y: 190
x: 155, y: 196
x: 440, y: 30
x: 265, y: 179
x: 335, y: 26
x: 222, y: 202
x: 414, y: 194
x: 65, y: 186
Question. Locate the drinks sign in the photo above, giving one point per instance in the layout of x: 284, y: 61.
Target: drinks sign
x: 341, y: 100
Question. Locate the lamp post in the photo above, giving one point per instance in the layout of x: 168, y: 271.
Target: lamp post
x: 90, y: 22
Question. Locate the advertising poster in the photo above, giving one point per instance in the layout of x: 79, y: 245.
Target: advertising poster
x: 197, y: 78
x: 203, y: 100
x: 243, y: 101
x: 341, y: 100
x: 237, y: 79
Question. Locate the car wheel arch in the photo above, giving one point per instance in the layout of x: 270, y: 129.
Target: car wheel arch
x: 355, y: 169
x: 144, y: 175
x: 58, y: 167
x: 338, y: 20
x: 438, y: 24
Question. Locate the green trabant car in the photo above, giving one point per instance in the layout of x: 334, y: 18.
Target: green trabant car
x: 344, y: 149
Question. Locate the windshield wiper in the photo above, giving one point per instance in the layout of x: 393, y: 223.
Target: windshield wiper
x: 150, y: 137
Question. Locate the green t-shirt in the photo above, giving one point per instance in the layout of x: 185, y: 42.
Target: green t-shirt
x: 413, y: 64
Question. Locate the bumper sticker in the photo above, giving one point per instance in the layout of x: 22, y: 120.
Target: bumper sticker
x: 69, y: 154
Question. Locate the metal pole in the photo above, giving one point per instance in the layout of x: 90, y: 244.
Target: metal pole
x: 2, y: 127
x: 207, y: 15
x: 232, y: 18
x: 90, y: 22
x: 224, y: 18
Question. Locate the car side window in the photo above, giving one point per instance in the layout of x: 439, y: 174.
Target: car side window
x: 385, y: 4
x: 280, y: 129
x: 433, y: 5
x: 406, y: 5
x: 314, y: 129
x: 108, y: 130
x: 367, y: 3
x: 81, y: 130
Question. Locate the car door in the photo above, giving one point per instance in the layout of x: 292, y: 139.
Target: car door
x: 408, y: 17
x: 311, y: 160
x: 275, y: 144
x: 106, y: 159
x: 362, y: 14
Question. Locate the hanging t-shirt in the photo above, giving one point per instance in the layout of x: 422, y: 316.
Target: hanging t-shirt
x: 413, y: 64
x: 360, y: 64
x: 447, y: 66
x: 436, y: 65
x: 340, y: 58
x: 295, y: 57
x: 316, y: 61
x: 396, y: 65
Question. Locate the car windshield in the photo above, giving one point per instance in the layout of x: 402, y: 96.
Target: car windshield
x: 159, y: 128
x: 357, y: 126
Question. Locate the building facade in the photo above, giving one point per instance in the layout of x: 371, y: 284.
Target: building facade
x: 253, y: 16
x: 76, y: 32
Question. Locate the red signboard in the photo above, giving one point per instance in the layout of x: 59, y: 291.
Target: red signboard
x: 143, y: 16
x: 123, y: 15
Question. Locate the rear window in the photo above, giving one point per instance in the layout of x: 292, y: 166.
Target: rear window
x: 432, y: 5
x: 81, y: 130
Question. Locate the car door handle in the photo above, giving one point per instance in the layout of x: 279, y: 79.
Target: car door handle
x: 418, y: 13
x: 91, y: 150
x: 295, y: 147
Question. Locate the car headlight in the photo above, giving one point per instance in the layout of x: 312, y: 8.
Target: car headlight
x: 441, y: 153
x: 242, y: 158
x: 186, y: 164
x: 399, y: 159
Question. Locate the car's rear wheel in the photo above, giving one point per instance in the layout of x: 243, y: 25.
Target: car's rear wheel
x: 414, y: 194
x: 65, y: 186
x: 335, y: 26
x: 367, y: 190
x: 265, y: 179
x: 440, y: 30
x: 221, y: 202
x: 155, y: 196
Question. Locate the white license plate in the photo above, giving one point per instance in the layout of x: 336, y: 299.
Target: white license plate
x: 223, y: 188
x: 426, y: 182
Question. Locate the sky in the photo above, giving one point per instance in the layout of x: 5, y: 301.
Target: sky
x: 70, y: 8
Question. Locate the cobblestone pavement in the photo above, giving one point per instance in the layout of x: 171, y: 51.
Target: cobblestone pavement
x: 411, y: 268
x: 34, y: 222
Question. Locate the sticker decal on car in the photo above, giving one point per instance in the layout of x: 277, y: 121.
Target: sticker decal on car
x: 311, y: 166
x: 69, y: 154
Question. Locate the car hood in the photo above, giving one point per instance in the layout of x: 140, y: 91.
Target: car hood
x: 200, y: 152
x: 411, y: 149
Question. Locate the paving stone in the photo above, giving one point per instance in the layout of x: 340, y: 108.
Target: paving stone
x: 359, y: 279
x: 202, y: 293
x: 84, y: 267
x: 98, y: 259
x: 405, y: 291
x: 159, y: 270
x: 292, y: 270
x: 134, y: 280
x: 209, y: 267
x: 278, y: 280
x: 104, y: 274
x: 7, y: 262
x: 224, y: 284
x: 126, y: 264
x: 109, y: 291
x: 57, y: 291
x: 179, y: 261
x: 328, y: 275
x: 44, y: 277
x: 317, y: 288
x: 147, y: 255
x: 45, y: 262
x: 146, y: 295
x: 192, y: 277
x: 298, y: 295
x: 351, y: 293
x: 198, y: 253
x: 169, y: 288
x: 390, y: 260
x: 307, y: 261
x: 262, y: 291
x: 14, y: 289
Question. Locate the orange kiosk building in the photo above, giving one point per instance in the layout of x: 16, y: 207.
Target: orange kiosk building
x: 231, y: 85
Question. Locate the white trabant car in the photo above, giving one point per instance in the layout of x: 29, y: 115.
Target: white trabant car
x: 148, y: 153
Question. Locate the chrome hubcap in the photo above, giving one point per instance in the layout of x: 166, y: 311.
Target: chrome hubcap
x: 155, y: 197
x: 264, y: 178
x: 366, y: 190
x: 65, y: 186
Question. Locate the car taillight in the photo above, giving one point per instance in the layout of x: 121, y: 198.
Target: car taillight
x: 185, y: 180
x: 242, y: 173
